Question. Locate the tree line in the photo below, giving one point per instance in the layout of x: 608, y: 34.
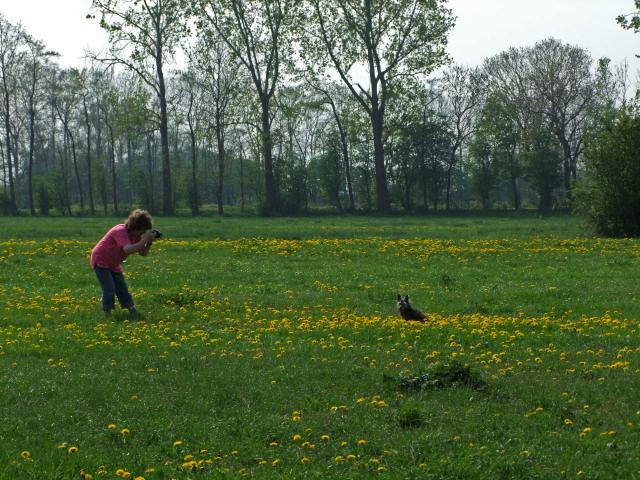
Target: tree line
x: 281, y: 106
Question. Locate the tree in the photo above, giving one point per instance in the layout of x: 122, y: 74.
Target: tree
x: 561, y: 79
x: 217, y: 71
x: 65, y: 104
x: 631, y: 21
x: 391, y: 40
x: 11, y: 40
x: 609, y: 193
x: 463, y: 89
x: 498, y: 125
x: 144, y: 34
x: 338, y: 100
x: 543, y: 159
x: 260, y: 34
x: 36, y: 66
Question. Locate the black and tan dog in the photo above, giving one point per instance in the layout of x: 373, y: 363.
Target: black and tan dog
x: 407, y: 312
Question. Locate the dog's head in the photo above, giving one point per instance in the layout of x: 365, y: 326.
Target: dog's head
x: 403, y: 303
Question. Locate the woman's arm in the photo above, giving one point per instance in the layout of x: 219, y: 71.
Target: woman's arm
x: 143, y: 245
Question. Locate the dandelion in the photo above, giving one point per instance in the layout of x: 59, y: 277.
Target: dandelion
x: 177, y: 443
x: 73, y: 449
x: 422, y: 466
x: 324, y: 438
x: 125, y: 432
x: 381, y: 469
x: 275, y: 463
x: 26, y: 455
x: 568, y: 422
x: 296, y: 438
x: 362, y: 442
x: 339, y: 459
x: 305, y: 460
x: 273, y: 444
x: 351, y: 457
x: 111, y: 426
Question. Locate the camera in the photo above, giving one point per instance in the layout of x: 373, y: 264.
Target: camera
x: 158, y: 234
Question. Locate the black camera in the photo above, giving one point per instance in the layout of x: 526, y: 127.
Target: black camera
x: 158, y: 234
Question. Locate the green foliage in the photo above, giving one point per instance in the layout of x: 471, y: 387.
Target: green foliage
x: 441, y: 375
x: 609, y: 193
x: 631, y: 21
x: 542, y: 163
x: 44, y: 194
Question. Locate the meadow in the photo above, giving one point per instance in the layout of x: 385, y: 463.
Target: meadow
x: 271, y: 348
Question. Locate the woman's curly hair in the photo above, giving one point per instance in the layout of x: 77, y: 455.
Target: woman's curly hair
x: 139, y: 220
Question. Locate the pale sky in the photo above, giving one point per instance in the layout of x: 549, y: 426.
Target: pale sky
x: 484, y: 27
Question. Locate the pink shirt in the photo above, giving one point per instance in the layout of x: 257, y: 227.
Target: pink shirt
x: 109, y: 253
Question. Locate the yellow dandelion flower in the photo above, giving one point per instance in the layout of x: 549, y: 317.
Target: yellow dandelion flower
x: 324, y: 438
x: 111, y: 426
x: 305, y: 460
x: 296, y: 438
x: 339, y: 459
x: 139, y: 478
x: 351, y: 457
x: 125, y: 431
x: 422, y: 466
x: 25, y: 455
x: 362, y: 442
x: 177, y: 443
x: 73, y: 449
x: 381, y: 469
x: 273, y: 444
x: 568, y: 422
x: 275, y: 463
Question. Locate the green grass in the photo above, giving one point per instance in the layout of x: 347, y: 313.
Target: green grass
x: 257, y: 331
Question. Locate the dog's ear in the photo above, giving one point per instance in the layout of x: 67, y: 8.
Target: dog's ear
x: 399, y: 297
x: 406, y: 298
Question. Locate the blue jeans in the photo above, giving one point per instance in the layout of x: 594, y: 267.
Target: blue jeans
x: 113, y: 284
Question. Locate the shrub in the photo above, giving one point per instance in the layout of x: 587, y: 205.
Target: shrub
x: 609, y: 192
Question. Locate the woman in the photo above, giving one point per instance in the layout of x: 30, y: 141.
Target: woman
x: 135, y: 235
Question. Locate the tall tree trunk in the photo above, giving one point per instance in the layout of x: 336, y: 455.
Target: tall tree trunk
x: 92, y: 207
x: 271, y: 193
x: 64, y: 160
x: 241, y: 180
x: 32, y: 120
x: 13, y: 207
x: 151, y: 198
x: 221, y: 165
x: 195, y: 200
x: 347, y: 161
x: 129, y: 166
x: 383, y: 199
x: 167, y: 191
x: 114, y: 184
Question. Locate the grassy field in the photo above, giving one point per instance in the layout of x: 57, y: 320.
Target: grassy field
x: 271, y: 348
